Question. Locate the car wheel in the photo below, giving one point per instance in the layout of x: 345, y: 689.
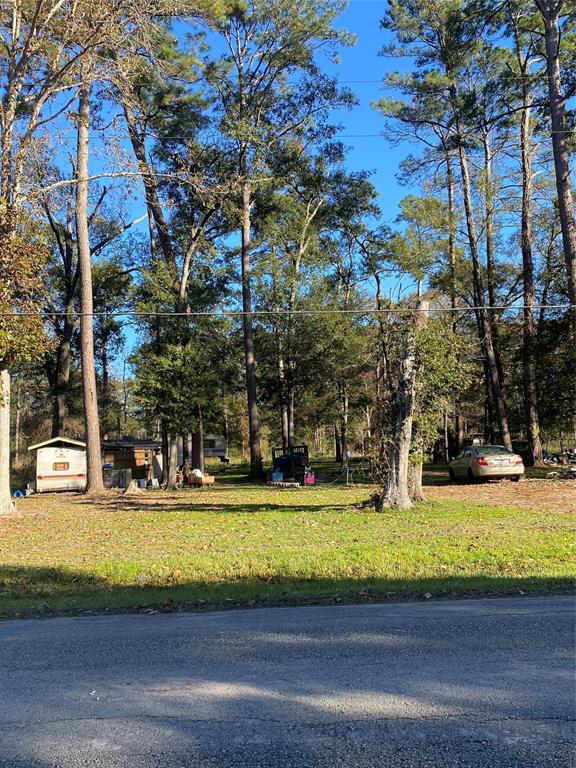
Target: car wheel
x: 471, y: 478
x: 451, y: 474
x: 515, y: 478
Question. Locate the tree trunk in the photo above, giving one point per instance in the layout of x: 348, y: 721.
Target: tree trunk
x: 549, y: 12
x: 124, y: 397
x: 291, y: 378
x: 490, y: 259
x: 250, y: 359
x: 460, y: 430
x: 416, y: 489
x: 290, y: 404
x: 17, y: 423
x: 197, y: 460
x: 385, y: 369
x: 416, y: 492
x: 105, y: 387
x: 226, y: 429
x: 337, y: 446
x: 6, y: 504
x: 415, y: 473
x: 446, y: 438
x: 62, y: 378
x: 529, y: 345
x: 153, y: 203
x: 344, y: 402
x: 458, y: 423
x: 285, y: 428
x: 165, y: 455
x: 317, y: 440
x: 484, y: 325
x: 367, y: 436
x: 187, y: 449
x: 94, y: 483
x: 198, y: 444
x: 396, y: 492
x: 282, y: 398
x: 278, y: 332
x: 452, y: 241
x: 172, y: 462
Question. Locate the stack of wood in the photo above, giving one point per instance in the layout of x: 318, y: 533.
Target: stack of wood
x: 194, y: 480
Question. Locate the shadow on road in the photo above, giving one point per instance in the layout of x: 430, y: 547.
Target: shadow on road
x: 287, y: 691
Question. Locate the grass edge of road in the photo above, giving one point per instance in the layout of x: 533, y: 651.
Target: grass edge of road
x: 152, y: 601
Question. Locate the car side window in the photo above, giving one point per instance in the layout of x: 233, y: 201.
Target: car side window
x: 467, y: 453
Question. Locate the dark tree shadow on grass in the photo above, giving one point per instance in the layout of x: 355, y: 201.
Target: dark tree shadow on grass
x: 48, y: 591
x: 231, y: 509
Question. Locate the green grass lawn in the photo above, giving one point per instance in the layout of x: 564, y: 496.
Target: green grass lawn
x: 238, y: 544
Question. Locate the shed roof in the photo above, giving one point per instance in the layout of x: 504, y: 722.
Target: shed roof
x: 58, y: 442
x: 130, y: 443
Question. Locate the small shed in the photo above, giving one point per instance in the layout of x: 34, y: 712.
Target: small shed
x: 60, y: 465
x: 142, y: 457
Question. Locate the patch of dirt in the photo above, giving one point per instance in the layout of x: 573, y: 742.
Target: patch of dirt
x: 543, y: 495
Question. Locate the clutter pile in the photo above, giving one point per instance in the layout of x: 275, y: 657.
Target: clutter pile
x: 290, y: 467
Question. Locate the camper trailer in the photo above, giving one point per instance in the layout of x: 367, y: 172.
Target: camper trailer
x: 215, y: 446
x: 60, y: 465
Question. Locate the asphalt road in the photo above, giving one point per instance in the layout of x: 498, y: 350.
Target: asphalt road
x: 465, y: 683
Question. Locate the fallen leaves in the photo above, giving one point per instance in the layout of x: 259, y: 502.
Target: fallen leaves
x: 543, y: 495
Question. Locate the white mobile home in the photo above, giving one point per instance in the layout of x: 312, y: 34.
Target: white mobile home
x: 60, y: 465
x: 215, y: 446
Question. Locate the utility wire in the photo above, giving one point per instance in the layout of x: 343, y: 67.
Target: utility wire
x: 289, y: 312
x: 505, y: 76
x: 123, y: 135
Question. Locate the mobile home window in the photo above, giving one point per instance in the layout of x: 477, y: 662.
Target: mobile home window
x: 210, y: 443
x: 60, y: 466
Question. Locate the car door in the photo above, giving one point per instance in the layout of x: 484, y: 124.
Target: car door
x: 464, y: 463
x: 457, y: 464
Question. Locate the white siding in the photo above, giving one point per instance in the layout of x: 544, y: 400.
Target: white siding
x: 215, y: 445
x: 69, y: 476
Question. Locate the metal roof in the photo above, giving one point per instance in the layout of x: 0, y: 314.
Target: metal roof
x: 130, y: 443
x: 56, y: 441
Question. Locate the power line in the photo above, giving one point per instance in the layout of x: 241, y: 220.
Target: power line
x: 336, y: 135
x: 290, y: 312
x: 505, y: 76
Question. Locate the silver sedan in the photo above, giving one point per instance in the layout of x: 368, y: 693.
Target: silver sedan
x: 486, y: 461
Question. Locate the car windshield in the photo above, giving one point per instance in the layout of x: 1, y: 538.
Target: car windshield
x: 490, y: 450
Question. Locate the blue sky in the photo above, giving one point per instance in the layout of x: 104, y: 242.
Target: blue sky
x: 362, y: 69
